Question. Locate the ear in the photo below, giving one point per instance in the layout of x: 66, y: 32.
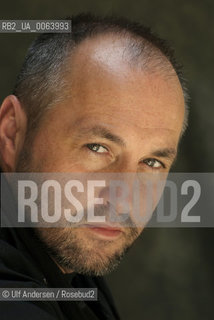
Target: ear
x: 13, y: 123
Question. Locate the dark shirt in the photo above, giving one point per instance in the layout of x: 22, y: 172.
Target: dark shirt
x: 24, y: 263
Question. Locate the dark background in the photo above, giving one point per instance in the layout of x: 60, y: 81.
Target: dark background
x: 168, y: 274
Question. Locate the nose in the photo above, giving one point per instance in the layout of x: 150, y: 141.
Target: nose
x: 130, y: 199
x: 124, y: 194
x: 118, y: 195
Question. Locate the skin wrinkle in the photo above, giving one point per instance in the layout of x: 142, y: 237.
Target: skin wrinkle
x: 144, y: 109
x: 99, y: 131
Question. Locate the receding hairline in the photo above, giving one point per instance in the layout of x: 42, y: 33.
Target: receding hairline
x: 40, y: 82
x: 157, y: 64
x: 136, y: 51
x: 108, y: 47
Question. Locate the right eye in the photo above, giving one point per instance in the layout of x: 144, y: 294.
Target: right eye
x: 98, y: 148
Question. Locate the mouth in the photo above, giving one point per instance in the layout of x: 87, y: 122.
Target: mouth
x: 104, y: 230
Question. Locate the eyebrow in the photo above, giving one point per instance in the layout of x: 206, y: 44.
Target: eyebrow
x: 169, y: 153
x: 103, y: 132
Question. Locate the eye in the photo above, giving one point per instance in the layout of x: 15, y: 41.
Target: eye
x: 98, y: 148
x: 154, y: 163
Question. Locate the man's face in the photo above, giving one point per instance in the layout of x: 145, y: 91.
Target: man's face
x: 115, y: 119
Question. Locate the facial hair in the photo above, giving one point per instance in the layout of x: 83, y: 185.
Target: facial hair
x: 73, y: 251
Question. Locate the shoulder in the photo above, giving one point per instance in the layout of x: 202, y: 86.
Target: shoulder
x: 15, y: 265
x: 17, y: 271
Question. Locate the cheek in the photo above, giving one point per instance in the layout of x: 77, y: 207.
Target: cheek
x: 48, y: 153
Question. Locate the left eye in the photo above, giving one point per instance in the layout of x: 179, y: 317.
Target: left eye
x: 97, y: 148
x: 153, y: 163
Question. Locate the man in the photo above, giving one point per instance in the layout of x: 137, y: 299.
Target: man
x: 107, y: 98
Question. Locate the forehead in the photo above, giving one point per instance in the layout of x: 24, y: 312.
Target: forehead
x: 104, y: 86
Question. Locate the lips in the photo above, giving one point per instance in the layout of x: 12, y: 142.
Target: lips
x: 104, y: 230
x: 103, y: 226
